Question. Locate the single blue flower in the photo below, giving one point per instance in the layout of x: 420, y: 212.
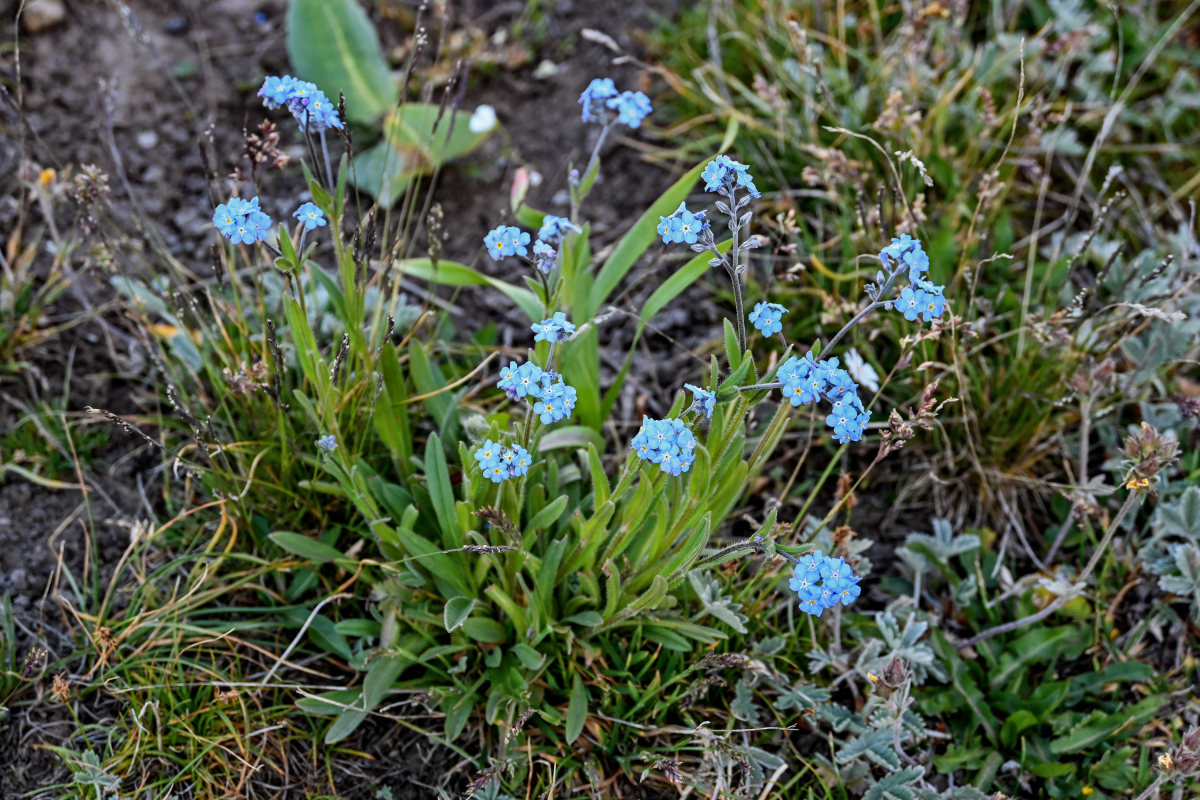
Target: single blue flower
x: 909, y: 303
x: 495, y: 471
x: 311, y: 215
x: 703, y: 400
x: 632, y: 108
x: 528, y: 380
x: 768, y: 318
x: 682, y: 226
x: 555, y: 329
x: 327, y: 443
x: 594, y: 98
x: 935, y: 305
x: 489, y: 452
x: 810, y: 601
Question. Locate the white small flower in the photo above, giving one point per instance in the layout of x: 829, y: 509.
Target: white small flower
x: 483, y: 120
x: 862, y: 372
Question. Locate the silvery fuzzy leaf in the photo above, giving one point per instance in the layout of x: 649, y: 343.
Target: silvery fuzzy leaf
x: 743, y: 706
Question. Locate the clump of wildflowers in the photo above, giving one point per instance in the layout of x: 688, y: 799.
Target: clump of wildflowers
x: 768, y: 318
x: 682, y: 226
x: 308, y: 104
x: 499, y: 463
x: 822, y: 582
x: 311, y: 215
x: 555, y: 329
x: 506, y: 240
x: 601, y: 94
x: 921, y: 298
x: 666, y: 442
x: 241, y: 221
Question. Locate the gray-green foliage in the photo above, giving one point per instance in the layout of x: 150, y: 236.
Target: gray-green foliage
x: 1173, y: 553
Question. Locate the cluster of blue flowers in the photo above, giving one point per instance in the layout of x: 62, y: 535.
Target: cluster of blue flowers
x: 601, y: 94
x: 552, y: 399
x: 682, y: 226
x: 241, y: 221
x: 822, y: 582
x: 506, y: 240
x: 806, y: 380
x: 308, y: 104
x: 554, y: 229
x: 327, y: 443
x: 723, y: 174
x: 921, y: 298
x: 703, y: 400
x: 666, y: 442
x: 555, y: 329
x: 768, y: 318
x: 311, y: 215
x: 499, y: 463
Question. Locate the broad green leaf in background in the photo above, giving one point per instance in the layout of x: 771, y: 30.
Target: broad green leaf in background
x: 417, y: 139
x: 450, y: 273
x: 333, y: 44
x: 576, y: 709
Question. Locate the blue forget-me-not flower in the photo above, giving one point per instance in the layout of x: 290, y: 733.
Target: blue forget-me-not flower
x: 506, y: 240
x: 666, y: 442
x: 327, y: 443
x: 308, y: 104
x: 921, y: 299
x: 768, y: 318
x: 555, y: 228
x: 632, y: 108
x: 724, y: 174
x: 311, y: 215
x: 555, y: 329
x: 822, y: 582
x: 241, y: 221
x: 682, y: 226
x: 595, y: 98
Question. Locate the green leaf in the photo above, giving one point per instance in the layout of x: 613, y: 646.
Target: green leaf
x: 418, y: 139
x: 483, y: 630
x: 1016, y: 722
x: 588, y: 619
x: 1037, y: 645
x: 305, y: 547
x: 529, y: 658
x: 570, y: 436
x: 576, y: 709
x: 450, y: 273
x: 1099, y: 727
x: 457, y: 610
x: 440, y: 491
x: 333, y: 44
x: 639, y: 238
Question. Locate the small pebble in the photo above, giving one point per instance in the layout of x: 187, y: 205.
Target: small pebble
x: 147, y: 140
x: 177, y: 26
x: 39, y: 15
